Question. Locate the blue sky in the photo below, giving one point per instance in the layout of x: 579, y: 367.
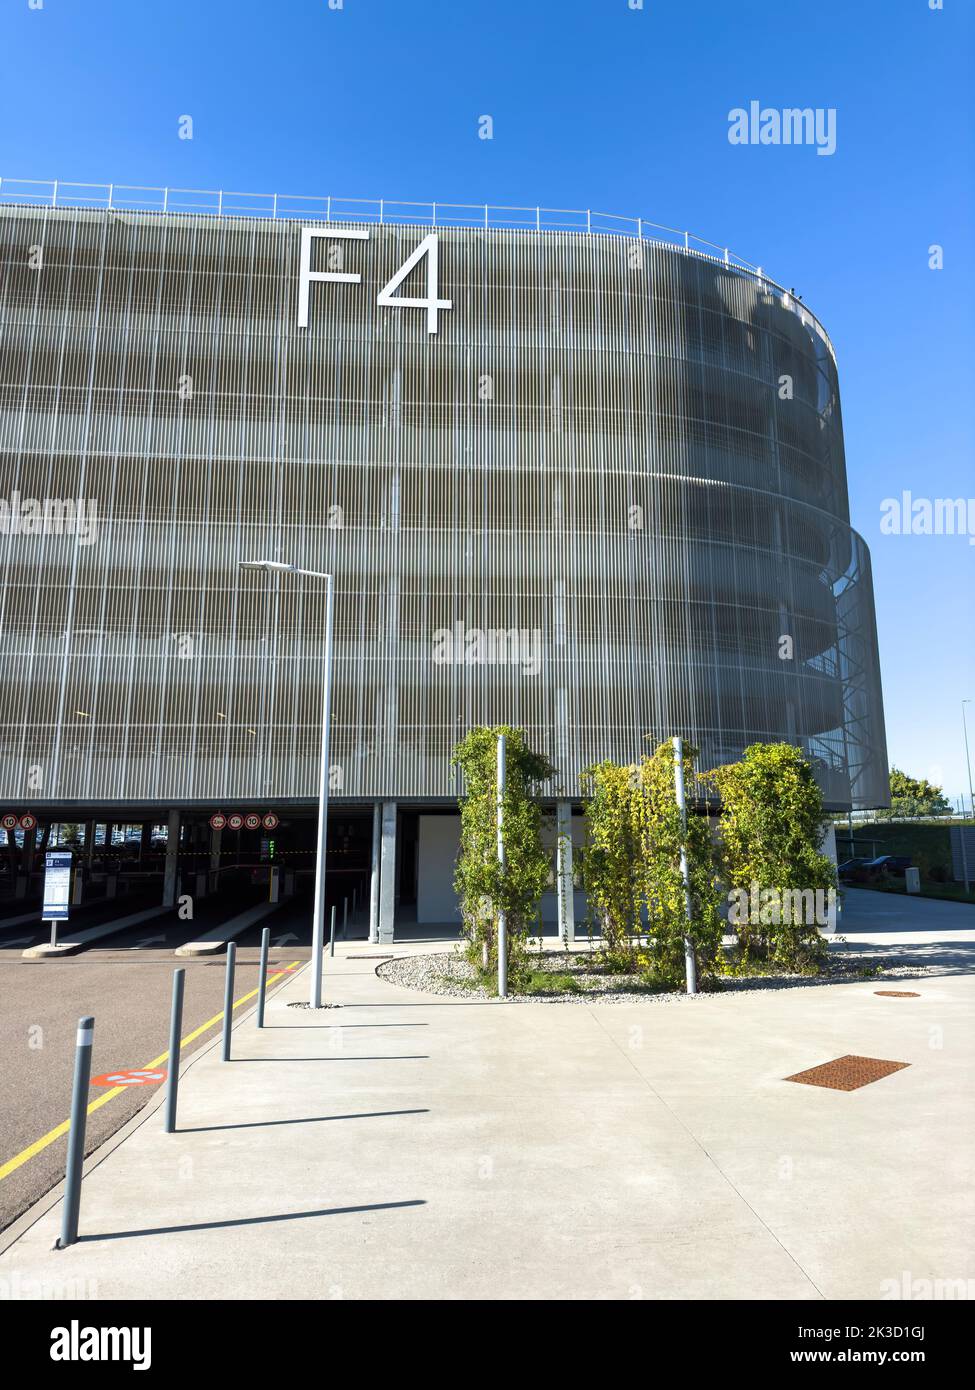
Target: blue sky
x: 597, y: 104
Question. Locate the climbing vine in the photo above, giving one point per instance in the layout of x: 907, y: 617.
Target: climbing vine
x: 771, y: 823
x: 482, y: 888
x: 662, y: 832
x: 611, y: 859
x: 633, y: 873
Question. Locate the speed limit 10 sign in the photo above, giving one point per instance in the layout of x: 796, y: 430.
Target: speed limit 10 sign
x: 253, y: 820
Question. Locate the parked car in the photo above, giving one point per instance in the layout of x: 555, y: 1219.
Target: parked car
x: 888, y: 864
x: 849, y: 865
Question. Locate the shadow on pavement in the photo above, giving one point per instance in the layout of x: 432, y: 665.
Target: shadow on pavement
x: 401, y: 1057
x: 303, y: 1120
x: 248, y: 1221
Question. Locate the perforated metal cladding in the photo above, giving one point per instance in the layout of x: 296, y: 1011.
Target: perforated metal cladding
x: 592, y: 448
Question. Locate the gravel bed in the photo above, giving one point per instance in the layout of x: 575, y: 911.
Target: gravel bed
x: 448, y: 973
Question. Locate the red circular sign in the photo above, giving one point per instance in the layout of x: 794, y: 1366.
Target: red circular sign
x: 235, y: 821
x: 252, y: 821
x: 270, y: 821
x: 218, y: 821
x: 129, y: 1078
x: 9, y: 822
x: 27, y: 821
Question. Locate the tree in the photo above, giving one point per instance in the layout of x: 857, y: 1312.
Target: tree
x: 771, y: 824
x: 482, y: 888
x: 632, y: 868
x: 912, y: 797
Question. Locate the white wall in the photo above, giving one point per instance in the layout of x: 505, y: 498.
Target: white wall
x: 439, y: 844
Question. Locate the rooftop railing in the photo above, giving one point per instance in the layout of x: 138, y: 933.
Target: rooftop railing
x: 380, y: 211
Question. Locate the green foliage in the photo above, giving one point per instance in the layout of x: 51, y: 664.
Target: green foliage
x: 611, y: 859
x: 482, y: 888
x: 632, y: 869
x: 662, y: 833
x: 914, y: 797
x: 771, y: 826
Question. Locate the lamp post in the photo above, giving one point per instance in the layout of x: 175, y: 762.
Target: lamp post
x: 318, y: 916
x: 968, y: 761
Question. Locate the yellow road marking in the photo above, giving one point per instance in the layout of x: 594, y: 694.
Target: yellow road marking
x: 39, y: 1145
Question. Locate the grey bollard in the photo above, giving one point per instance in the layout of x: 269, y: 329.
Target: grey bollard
x: 345, y: 917
x: 331, y: 935
x: 262, y: 980
x: 175, y: 1031
x: 76, y: 1133
x: 228, y: 999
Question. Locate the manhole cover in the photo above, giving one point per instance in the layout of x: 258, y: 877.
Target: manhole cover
x: 898, y: 993
x: 848, y: 1073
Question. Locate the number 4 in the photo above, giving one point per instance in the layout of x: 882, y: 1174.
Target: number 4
x: 428, y: 248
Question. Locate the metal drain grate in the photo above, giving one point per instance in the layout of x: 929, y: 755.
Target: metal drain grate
x: 898, y: 993
x: 848, y: 1073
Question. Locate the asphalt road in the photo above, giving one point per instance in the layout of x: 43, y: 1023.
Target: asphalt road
x: 125, y: 981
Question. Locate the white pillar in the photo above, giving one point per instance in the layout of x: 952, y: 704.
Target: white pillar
x: 387, y: 876
x: 564, y: 890
x: 690, y: 960
x: 172, y: 860
x: 500, y: 915
x: 377, y: 840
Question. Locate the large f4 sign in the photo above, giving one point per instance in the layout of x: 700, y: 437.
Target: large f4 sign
x: 387, y: 297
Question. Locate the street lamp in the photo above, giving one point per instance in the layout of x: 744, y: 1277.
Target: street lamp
x: 968, y: 761
x: 318, y: 919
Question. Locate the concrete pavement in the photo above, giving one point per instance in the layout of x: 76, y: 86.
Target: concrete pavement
x: 410, y: 1146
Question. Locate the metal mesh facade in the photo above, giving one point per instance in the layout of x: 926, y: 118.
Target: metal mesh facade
x: 587, y: 505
